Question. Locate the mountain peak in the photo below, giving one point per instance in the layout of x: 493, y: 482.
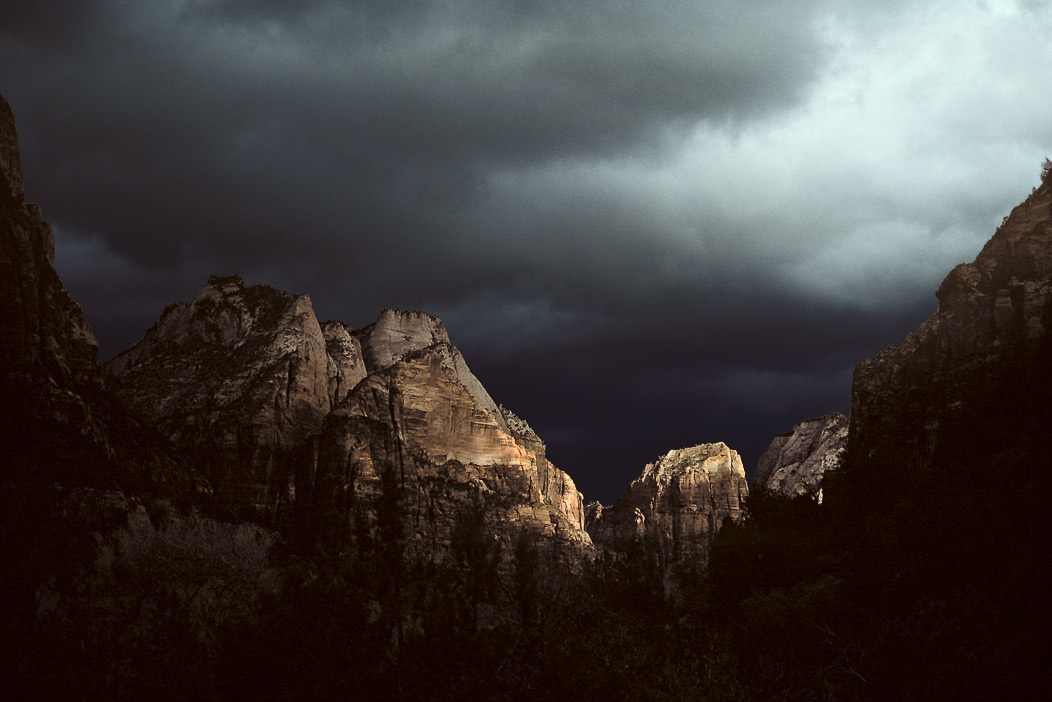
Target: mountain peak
x: 675, y: 506
x: 704, y: 457
x: 396, y: 333
x: 795, y: 461
x: 10, y: 159
x: 226, y: 283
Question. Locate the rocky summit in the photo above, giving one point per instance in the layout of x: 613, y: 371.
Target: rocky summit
x: 239, y: 378
x: 675, y: 506
x: 795, y: 462
x: 298, y: 421
x: 47, y: 350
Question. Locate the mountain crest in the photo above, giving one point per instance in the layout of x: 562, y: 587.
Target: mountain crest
x: 396, y: 333
x: 795, y: 461
x: 673, y: 509
x: 10, y: 158
x: 289, y: 416
x: 925, y: 400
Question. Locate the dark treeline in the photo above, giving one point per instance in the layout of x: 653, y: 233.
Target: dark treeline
x: 902, y: 585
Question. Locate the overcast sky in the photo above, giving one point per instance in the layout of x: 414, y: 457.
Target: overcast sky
x: 646, y: 225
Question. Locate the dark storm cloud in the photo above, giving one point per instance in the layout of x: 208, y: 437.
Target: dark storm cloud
x: 646, y: 225
x: 49, y: 22
x: 337, y: 136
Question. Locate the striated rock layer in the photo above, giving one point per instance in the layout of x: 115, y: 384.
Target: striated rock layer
x: 974, y: 379
x: 673, y: 509
x: 795, y: 462
x: 299, y: 421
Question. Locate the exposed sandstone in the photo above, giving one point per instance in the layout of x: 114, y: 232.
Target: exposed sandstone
x: 795, y: 462
x: 396, y: 333
x: 427, y: 417
x: 674, y: 508
x: 556, y: 487
x: 240, y: 378
x: 348, y: 362
x: 300, y: 420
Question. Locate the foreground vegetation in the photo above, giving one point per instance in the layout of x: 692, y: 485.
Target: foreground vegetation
x: 899, y: 587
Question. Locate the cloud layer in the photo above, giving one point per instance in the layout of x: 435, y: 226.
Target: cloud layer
x: 646, y: 226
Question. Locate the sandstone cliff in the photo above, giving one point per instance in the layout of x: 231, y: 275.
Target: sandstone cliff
x: 795, y: 462
x: 974, y: 378
x: 299, y: 421
x: 673, y: 509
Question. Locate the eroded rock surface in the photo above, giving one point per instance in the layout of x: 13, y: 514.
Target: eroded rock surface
x: 240, y: 378
x: 673, y: 509
x: 795, y: 462
x: 300, y: 420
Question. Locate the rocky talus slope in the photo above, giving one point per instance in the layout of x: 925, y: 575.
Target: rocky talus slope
x: 298, y: 420
x: 795, y: 462
x: 674, y: 508
x: 975, y: 377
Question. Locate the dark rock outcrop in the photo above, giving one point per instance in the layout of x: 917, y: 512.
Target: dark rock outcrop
x: 47, y: 351
x: 975, y: 377
x: 674, y: 508
x: 57, y: 423
x: 795, y: 462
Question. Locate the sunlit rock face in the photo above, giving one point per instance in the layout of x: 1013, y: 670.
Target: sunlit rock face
x: 299, y: 420
x: 396, y: 333
x: 555, y: 487
x: 976, y: 374
x: 240, y: 378
x: 795, y: 462
x: 345, y: 350
x: 674, y: 508
x: 425, y: 415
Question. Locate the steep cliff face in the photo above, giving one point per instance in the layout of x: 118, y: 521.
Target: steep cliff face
x: 42, y: 330
x: 673, y: 509
x: 421, y: 413
x: 396, y: 333
x: 240, y: 378
x: 795, y: 462
x: 975, y: 377
x: 556, y: 487
x: 348, y: 361
x: 48, y: 354
x: 300, y: 420
x: 56, y: 421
